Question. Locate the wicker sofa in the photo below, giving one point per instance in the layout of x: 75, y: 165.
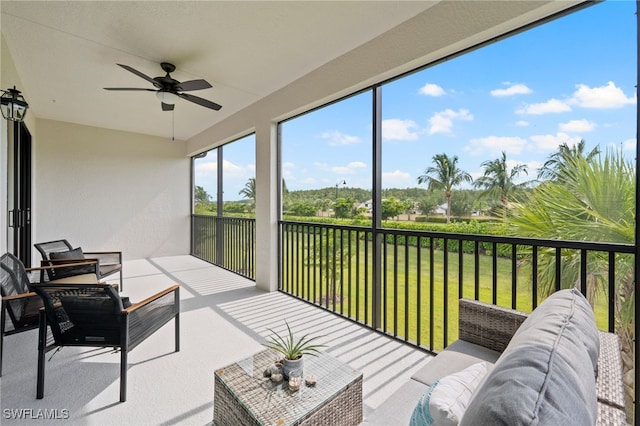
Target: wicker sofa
x: 485, y: 334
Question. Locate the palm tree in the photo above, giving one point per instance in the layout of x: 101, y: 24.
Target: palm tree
x: 201, y: 196
x: 322, y: 204
x: 498, y: 181
x: 594, y: 201
x: 249, y: 191
x: 558, y: 162
x: 444, y: 175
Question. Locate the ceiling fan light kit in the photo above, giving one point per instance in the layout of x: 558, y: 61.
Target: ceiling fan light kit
x: 169, y: 90
x: 167, y: 97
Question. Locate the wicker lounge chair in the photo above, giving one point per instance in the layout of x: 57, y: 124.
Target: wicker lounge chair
x: 19, y: 301
x: 94, y: 315
x: 60, y: 251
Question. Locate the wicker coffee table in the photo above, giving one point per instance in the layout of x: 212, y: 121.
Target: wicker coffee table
x: 243, y: 396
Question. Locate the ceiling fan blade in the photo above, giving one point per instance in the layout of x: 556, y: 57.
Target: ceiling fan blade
x: 186, y: 86
x: 167, y: 107
x: 142, y: 75
x: 200, y: 101
x: 129, y: 88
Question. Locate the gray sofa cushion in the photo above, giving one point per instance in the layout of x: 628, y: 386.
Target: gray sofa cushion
x: 456, y: 357
x: 547, y: 373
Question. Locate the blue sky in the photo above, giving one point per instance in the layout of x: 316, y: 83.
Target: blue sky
x: 571, y: 79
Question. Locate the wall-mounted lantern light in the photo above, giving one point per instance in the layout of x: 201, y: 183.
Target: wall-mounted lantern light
x: 13, y: 105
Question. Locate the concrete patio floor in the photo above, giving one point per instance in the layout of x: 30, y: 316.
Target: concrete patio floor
x: 223, y: 318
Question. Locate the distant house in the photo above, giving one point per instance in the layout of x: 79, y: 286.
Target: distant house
x: 367, y: 205
x: 441, y: 209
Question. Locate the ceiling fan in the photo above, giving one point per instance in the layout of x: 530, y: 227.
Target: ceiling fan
x: 169, y: 90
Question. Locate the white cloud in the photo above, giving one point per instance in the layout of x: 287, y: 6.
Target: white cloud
x: 492, y: 145
x: 206, y: 169
x: 309, y: 181
x: 349, y: 169
x: 532, y: 167
x: 397, y: 179
x: 335, y: 137
x: 231, y: 169
x: 603, y: 97
x: 629, y: 145
x: 608, y: 96
x: 431, y: 89
x: 287, y: 175
x: 551, y: 142
x: 522, y: 123
x: 576, y: 126
x: 532, y: 170
x: 442, y: 122
x: 321, y: 166
x: 357, y: 165
x: 396, y: 129
x: 551, y: 106
x: 514, y: 89
x: 477, y: 174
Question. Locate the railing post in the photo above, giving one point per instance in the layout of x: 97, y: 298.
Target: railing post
x: 376, y: 220
x: 376, y: 278
x: 219, y: 222
x: 636, y: 329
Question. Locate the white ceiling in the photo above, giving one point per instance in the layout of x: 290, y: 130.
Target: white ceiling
x: 66, y: 52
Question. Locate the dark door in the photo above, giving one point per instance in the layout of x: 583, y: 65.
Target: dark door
x: 19, y: 192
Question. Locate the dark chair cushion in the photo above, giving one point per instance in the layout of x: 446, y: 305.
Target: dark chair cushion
x: 71, y: 270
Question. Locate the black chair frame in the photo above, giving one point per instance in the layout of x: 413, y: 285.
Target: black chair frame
x: 109, y: 262
x: 93, y: 315
x: 19, y: 302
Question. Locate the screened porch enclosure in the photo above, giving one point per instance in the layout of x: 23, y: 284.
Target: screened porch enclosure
x: 348, y: 235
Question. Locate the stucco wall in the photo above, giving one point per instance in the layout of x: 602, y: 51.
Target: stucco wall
x: 110, y: 190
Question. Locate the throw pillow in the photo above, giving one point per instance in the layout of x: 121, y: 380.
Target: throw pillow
x: 70, y: 270
x: 446, y: 400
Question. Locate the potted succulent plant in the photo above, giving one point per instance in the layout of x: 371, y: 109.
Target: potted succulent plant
x: 292, y: 350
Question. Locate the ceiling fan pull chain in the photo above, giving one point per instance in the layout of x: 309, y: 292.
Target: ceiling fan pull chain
x: 173, y: 125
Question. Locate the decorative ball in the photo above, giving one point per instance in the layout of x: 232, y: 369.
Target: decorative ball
x: 310, y: 380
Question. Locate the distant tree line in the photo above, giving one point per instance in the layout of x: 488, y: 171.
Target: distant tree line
x: 491, y: 194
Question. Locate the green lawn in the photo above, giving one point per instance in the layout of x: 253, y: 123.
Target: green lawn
x: 407, y: 288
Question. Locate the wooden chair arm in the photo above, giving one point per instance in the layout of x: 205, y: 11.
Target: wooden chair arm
x: 103, y: 252
x: 80, y: 262
x: 76, y: 285
x: 18, y: 296
x: 150, y: 299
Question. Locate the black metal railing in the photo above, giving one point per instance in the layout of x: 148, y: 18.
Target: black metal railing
x: 410, y: 291
x: 228, y: 242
